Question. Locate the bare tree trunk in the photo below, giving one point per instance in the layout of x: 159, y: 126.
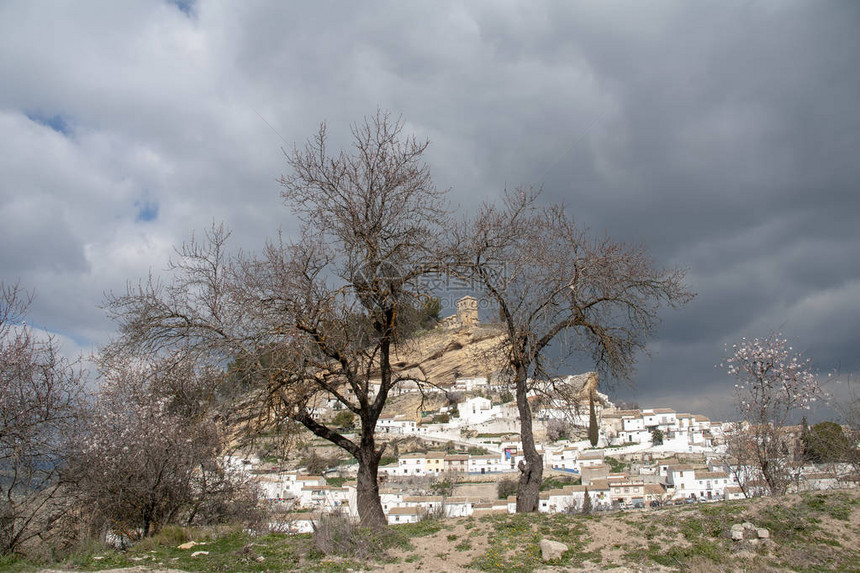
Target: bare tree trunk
x: 369, y: 504
x: 367, y: 487
x: 531, y: 468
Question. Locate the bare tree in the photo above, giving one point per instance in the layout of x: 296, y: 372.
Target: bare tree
x: 553, y: 285
x: 39, y: 400
x: 317, y: 318
x: 738, y: 458
x: 848, y: 409
x: 774, y: 382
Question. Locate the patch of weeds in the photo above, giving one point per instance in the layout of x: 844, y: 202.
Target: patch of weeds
x: 785, y: 522
x: 513, y: 545
x: 412, y: 558
x: 16, y: 563
x: 637, y: 555
x: 558, y: 482
x: 650, y: 532
x: 335, y: 565
x: 92, y: 561
x: 452, y: 537
x: 422, y: 528
x: 821, y: 540
x: 836, y: 505
x: 701, y: 549
x: 463, y: 545
x: 227, y: 550
x: 722, y: 510
x: 692, y: 528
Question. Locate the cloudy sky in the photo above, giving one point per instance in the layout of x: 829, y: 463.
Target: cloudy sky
x: 724, y: 136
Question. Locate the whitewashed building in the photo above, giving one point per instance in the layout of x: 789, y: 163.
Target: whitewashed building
x: 470, y: 384
x: 399, y: 424
x: 475, y: 410
x: 486, y: 464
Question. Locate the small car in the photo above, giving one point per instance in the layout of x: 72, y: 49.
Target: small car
x: 655, y: 503
x: 691, y: 500
x: 638, y: 505
x: 679, y: 502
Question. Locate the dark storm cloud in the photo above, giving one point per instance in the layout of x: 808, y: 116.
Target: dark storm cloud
x: 722, y: 136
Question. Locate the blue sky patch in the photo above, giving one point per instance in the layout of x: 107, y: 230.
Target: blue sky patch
x: 57, y: 123
x: 146, y: 211
x: 185, y: 6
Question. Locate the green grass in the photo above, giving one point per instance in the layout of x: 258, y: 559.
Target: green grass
x: 616, y: 466
x: 420, y: 529
x: 514, y: 542
x: 558, y: 482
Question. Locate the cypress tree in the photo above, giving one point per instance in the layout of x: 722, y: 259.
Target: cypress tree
x: 805, y: 441
x: 586, y: 503
x: 592, y: 421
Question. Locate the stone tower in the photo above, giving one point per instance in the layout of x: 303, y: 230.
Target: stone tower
x: 467, y: 311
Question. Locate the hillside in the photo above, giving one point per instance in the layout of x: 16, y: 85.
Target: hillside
x: 445, y: 354
x: 440, y: 355
x: 808, y: 532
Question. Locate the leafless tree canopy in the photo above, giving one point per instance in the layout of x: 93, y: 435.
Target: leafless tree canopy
x: 313, y: 318
x: 551, y: 282
x: 550, y: 279
x: 39, y: 400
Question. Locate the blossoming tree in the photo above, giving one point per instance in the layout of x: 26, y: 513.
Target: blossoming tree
x: 40, y: 393
x: 774, y: 382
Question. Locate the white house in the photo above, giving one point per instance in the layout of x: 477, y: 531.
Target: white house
x: 475, y: 410
x: 557, y: 500
x: 398, y: 515
x: 589, y: 458
x: 572, y: 498
x: 699, y: 483
x: 458, y: 507
x: 412, y: 464
x: 407, y: 386
x: 632, y: 420
x: 390, y: 498
x: 470, y: 384
x: 399, y: 424
x: 389, y: 469
x: 563, y: 459
x: 457, y: 463
x: 486, y: 464
x: 425, y: 503
x: 662, y: 418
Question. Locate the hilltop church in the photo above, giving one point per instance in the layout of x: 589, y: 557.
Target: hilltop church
x: 467, y: 314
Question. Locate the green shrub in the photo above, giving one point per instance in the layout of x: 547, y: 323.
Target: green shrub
x: 507, y: 487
